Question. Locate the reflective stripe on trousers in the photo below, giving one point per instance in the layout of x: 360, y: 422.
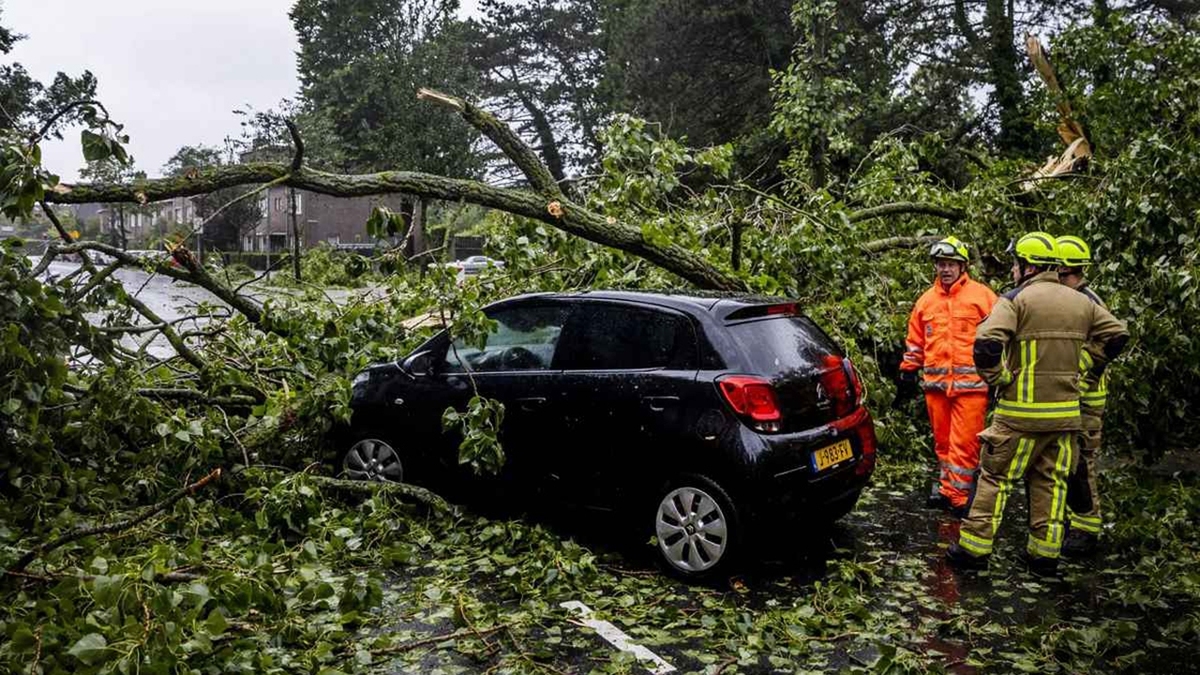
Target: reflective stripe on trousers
x: 1051, y: 546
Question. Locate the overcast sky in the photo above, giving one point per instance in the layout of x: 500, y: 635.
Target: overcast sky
x: 172, y: 71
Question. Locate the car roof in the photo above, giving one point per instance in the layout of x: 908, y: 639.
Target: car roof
x: 720, y: 303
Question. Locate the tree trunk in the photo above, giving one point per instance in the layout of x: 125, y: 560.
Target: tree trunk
x: 735, y: 246
x: 295, y: 234
x: 418, y: 228
x: 1016, y: 130
x: 545, y: 133
x: 121, y: 233
x: 819, y: 143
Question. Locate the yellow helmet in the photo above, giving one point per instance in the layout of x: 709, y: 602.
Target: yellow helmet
x: 950, y: 248
x: 1073, y: 252
x: 1036, y: 248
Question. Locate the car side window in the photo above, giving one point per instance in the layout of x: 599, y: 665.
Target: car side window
x: 617, y: 337
x: 524, y: 338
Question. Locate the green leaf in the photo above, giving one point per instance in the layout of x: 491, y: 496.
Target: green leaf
x: 23, y: 640
x: 91, y: 649
x: 216, y: 623
x: 95, y: 147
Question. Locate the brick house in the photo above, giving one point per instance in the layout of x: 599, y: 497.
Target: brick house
x: 321, y: 219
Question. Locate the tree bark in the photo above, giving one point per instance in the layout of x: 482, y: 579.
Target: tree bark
x: 900, y: 208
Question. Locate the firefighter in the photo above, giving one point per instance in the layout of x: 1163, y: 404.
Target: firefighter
x: 941, y: 332
x: 1074, y: 255
x: 1029, y: 348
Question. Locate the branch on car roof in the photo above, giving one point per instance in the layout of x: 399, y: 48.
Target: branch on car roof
x: 545, y: 202
x: 900, y: 208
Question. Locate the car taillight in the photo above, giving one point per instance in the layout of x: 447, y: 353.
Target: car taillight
x: 868, y: 444
x: 838, y: 382
x: 754, y: 398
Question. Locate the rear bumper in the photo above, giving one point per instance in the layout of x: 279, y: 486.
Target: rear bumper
x: 787, y: 484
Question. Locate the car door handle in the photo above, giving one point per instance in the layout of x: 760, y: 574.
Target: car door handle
x: 659, y: 403
x: 532, y: 403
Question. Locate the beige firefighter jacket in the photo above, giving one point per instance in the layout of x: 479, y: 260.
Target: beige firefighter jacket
x: 1030, y: 349
x: 1093, y: 392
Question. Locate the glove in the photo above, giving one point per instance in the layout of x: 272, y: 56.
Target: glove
x: 906, y: 387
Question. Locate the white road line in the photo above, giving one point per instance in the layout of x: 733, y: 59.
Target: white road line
x: 618, y: 639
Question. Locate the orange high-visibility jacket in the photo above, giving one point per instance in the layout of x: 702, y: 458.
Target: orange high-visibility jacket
x: 941, y: 336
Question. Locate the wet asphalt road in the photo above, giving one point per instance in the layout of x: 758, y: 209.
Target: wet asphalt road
x: 918, y: 594
x: 172, y: 300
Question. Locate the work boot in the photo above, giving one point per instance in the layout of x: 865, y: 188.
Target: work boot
x: 1080, y: 544
x: 1042, y: 567
x: 961, y: 559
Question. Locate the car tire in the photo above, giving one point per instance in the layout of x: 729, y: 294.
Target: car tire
x: 372, y: 457
x: 697, y: 528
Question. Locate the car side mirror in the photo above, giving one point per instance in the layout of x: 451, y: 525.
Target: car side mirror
x: 420, y: 364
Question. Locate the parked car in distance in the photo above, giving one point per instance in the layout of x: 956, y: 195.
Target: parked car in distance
x: 476, y: 264
x: 713, y: 423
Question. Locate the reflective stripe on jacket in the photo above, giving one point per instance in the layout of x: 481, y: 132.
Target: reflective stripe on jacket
x: 1031, y: 347
x: 941, y: 334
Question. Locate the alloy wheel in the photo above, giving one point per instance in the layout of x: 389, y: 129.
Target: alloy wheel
x: 375, y: 460
x: 692, y: 529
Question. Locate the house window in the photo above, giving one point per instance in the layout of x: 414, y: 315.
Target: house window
x: 282, y: 204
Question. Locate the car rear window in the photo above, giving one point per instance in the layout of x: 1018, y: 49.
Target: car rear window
x: 783, y: 343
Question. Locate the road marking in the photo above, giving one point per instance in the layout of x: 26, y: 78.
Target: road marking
x: 618, y: 639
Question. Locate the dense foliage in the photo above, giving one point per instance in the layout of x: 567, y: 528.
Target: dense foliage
x: 273, y: 568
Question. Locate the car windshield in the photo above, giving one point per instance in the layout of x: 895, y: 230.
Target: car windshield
x: 783, y: 343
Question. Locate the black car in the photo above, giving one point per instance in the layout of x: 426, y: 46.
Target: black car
x: 705, y: 418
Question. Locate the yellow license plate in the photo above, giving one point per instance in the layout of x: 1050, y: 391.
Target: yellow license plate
x: 832, y: 454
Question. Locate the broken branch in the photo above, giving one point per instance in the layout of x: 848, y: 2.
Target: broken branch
x: 82, y: 532
x: 547, y: 204
x: 881, y: 245
x: 899, y: 208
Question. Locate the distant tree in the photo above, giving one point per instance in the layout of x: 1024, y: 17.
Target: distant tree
x: 26, y: 104
x: 700, y: 68
x: 542, y: 62
x: 361, y: 63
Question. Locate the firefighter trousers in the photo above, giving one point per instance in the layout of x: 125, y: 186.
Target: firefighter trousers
x: 1090, y: 522
x: 1045, y: 459
x: 956, y: 421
